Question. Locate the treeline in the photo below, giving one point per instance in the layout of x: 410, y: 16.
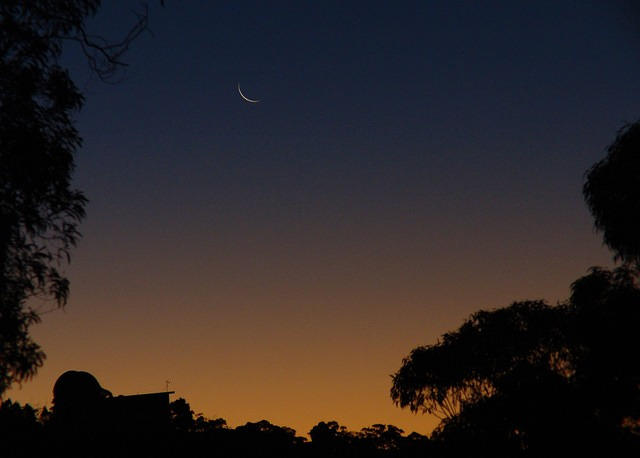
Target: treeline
x: 28, y: 432
x: 327, y: 439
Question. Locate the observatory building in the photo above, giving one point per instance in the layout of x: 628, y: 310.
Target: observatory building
x: 81, y: 404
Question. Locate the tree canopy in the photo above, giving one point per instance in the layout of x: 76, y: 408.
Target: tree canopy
x: 613, y: 196
x: 40, y: 210
x: 532, y: 376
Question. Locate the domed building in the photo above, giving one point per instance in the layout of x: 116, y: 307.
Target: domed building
x: 81, y: 405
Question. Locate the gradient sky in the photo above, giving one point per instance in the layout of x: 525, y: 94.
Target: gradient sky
x: 409, y: 164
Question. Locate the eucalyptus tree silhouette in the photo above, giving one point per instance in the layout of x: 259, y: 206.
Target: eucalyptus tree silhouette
x: 533, y: 379
x: 536, y: 377
x: 612, y: 194
x: 39, y: 209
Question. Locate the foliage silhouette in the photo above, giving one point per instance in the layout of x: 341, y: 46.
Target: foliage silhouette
x: 25, y: 433
x: 183, y: 420
x: 21, y: 431
x: 263, y: 439
x: 534, y: 377
x: 331, y: 439
x: 181, y: 415
x: 39, y: 209
x: 613, y: 197
x: 382, y: 437
x: 378, y: 440
x: 466, y: 365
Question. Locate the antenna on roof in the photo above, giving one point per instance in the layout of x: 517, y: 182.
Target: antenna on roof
x: 166, y: 382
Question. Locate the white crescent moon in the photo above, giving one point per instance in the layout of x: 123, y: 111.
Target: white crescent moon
x: 245, y: 97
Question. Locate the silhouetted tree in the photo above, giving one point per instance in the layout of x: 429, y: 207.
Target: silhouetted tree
x: 533, y: 378
x: 465, y: 365
x: 604, y: 312
x: 264, y: 439
x: 21, y: 432
x: 330, y: 439
x: 39, y: 209
x: 382, y: 437
x: 613, y: 196
x: 181, y: 415
x: 418, y: 445
x: 204, y: 425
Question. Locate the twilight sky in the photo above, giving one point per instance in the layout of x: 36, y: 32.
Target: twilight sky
x: 409, y: 163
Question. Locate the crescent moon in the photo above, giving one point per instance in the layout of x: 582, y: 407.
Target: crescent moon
x: 245, y: 97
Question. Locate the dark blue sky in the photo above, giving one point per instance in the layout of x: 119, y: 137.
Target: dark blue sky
x: 409, y: 163
x: 384, y: 103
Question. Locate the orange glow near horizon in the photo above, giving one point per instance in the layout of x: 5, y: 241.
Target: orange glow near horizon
x: 296, y: 339
x: 409, y: 163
